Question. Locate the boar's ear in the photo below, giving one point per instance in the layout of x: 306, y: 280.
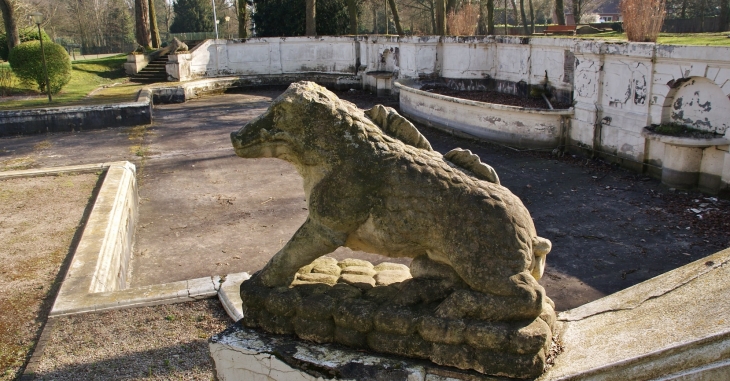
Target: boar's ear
x: 463, y: 158
x: 396, y: 126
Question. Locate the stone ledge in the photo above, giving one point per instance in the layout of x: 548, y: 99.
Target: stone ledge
x: 674, y: 326
x: 230, y: 295
x: 101, y: 258
x: 85, y: 168
x: 175, y: 292
x: 184, y: 91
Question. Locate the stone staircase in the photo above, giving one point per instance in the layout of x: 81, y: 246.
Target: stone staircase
x: 155, y: 71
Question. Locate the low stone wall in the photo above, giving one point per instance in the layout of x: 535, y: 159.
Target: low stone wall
x: 514, y: 126
x: 190, y: 90
x: 101, y: 260
x: 77, y: 118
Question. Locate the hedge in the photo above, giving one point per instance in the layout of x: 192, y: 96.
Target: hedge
x: 27, y: 64
x: 25, y: 35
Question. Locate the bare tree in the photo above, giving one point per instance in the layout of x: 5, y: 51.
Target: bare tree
x: 440, y: 17
x: 11, y: 27
x: 142, y: 23
x: 243, y: 16
x: 396, y: 17
x: 352, y: 12
x: 154, y: 31
x: 524, y: 18
x: 311, y: 16
x: 560, y: 12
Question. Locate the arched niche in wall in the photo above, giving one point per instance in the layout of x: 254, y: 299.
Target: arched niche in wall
x: 699, y: 103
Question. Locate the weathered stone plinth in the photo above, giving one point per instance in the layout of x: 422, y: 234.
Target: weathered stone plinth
x: 383, y: 309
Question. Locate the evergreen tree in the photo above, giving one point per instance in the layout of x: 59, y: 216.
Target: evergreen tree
x: 192, y: 16
x: 287, y: 17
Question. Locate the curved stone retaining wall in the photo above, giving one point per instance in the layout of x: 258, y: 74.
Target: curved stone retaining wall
x: 77, y: 118
x: 514, y: 126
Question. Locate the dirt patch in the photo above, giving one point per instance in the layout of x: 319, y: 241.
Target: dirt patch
x: 168, y: 342
x: 495, y: 97
x: 39, y: 218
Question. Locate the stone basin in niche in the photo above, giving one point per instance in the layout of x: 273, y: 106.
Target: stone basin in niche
x: 683, y: 157
x: 509, y: 125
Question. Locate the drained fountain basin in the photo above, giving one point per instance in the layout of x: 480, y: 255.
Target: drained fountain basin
x: 510, y: 125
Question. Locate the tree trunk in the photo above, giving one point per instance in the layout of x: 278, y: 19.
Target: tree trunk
x: 532, y: 19
x: 311, y: 29
x: 684, y: 9
x: 524, y: 18
x: 440, y: 17
x: 560, y: 12
x: 242, y: 19
x: 490, y: 20
x: 434, y: 28
x: 11, y: 28
x: 450, y: 6
x: 142, y: 23
x: 724, y: 15
x: 514, y: 13
x: 375, y: 20
x: 576, y: 11
x: 352, y: 10
x: 154, y: 31
x: 396, y: 17
x: 482, y: 25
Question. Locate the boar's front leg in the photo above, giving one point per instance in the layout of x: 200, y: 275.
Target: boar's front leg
x: 310, y: 242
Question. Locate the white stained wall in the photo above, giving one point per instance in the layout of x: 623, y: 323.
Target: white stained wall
x: 618, y: 88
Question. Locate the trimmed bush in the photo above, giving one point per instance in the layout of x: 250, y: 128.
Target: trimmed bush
x: 27, y: 64
x: 25, y: 35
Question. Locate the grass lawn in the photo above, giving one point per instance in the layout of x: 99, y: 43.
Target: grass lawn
x: 86, y: 76
x: 695, y: 39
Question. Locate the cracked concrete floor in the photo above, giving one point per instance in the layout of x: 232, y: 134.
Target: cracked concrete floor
x: 204, y: 211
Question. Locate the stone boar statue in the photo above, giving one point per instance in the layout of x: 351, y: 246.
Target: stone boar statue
x: 373, y: 183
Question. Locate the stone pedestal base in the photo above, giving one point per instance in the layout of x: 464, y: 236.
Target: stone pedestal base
x: 381, y: 309
x: 242, y: 354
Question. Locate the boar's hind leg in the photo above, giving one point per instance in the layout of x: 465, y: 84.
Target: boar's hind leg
x: 524, y: 302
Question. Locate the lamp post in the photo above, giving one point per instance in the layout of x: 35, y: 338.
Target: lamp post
x: 38, y: 19
x: 228, y: 26
x: 216, y: 19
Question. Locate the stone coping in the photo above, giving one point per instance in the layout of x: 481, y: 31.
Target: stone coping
x: 673, y: 325
x: 406, y: 85
x: 684, y: 141
x: 181, y: 92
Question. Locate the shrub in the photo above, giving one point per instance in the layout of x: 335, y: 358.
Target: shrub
x: 6, y: 81
x: 643, y: 19
x: 27, y: 64
x: 463, y: 22
x: 25, y: 35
